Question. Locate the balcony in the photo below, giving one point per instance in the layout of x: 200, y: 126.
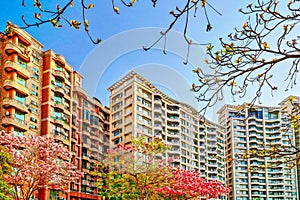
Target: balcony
x: 61, y: 137
x: 13, y: 66
x: 58, y: 73
x: 11, y: 84
x: 58, y: 120
x: 13, y: 48
x: 59, y: 105
x: 60, y: 59
x: 13, y: 121
x: 59, y: 89
x: 7, y: 102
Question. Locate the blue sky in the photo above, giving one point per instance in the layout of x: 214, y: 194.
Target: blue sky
x: 105, y: 24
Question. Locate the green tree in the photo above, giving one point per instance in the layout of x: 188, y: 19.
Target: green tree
x: 5, y: 169
x: 133, y: 172
x: 138, y: 172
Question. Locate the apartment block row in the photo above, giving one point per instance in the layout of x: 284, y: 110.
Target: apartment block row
x: 42, y: 94
x: 138, y: 108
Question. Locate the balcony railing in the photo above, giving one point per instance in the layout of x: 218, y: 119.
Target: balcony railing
x: 13, y: 48
x: 22, y: 70
x: 14, y: 121
x: 59, y: 73
x: 9, y: 84
x: 15, y: 103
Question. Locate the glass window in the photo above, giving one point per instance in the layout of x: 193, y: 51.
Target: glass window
x: 22, y: 63
x: 57, y: 98
x: 34, y: 86
x: 58, y: 67
x: 35, y: 70
x: 33, y: 126
x: 58, y: 83
x: 20, y: 116
x: 86, y: 115
x: 34, y: 93
x: 19, y: 97
x: 57, y: 113
x: 21, y: 80
x: 34, y: 76
x: 18, y: 132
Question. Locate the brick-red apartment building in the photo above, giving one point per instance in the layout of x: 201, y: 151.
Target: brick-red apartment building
x: 42, y: 94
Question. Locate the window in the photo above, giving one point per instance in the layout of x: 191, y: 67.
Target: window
x: 117, y: 97
x: 58, y: 83
x: 34, y: 110
x: 20, y: 116
x: 31, y: 126
x: 144, y: 102
x: 57, y: 114
x: 35, y: 70
x: 85, y: 103
x: 19, y: 97
x: 86, y: 115
x: 22, y: 63
x: 34, y: 103
x: 34, y: 93
x: 57, y: 98
x: 21, y: 80
x: 117, y: 115
x: 34, y: 76
x: 118, y: 106
x: 117, y: 132
x: 18, y: 132
x: 35, y: 60
x: 58, y: 67
x: 34, y: 86
x: 33, y: 119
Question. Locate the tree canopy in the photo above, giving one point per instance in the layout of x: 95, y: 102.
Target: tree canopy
x: 37, y: 162
x: 5, y: 169
x: 139, y: 171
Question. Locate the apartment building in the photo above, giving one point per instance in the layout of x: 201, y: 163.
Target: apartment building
x: 256, y: 128
x: 41, y: 94
x: 138, y: 108
x: 91, y: 126
x: 21, y: 83
x: 290, y: 106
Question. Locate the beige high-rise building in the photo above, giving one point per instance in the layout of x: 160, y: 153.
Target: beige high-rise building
x: 290, y: 106
x: 138, y: 108
x: 256, y: 128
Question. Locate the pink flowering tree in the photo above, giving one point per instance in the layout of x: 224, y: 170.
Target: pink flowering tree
x: 37, y: 163
x: 138, y: 171
x: 188, y: 184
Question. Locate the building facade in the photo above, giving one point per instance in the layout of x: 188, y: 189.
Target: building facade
x: 91, y: 126
x: 255, y: 129
x: 138, y: 108
x: 291, y: 107
x: 41, y: 94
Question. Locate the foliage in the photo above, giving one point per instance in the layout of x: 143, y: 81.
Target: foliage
x: 268, y: 39
x: 128, y: 171
x: 139, y: 172
x: 37, y: 162
x: 57, y: 16
x: 187, y: 184
x: 5, y: 169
